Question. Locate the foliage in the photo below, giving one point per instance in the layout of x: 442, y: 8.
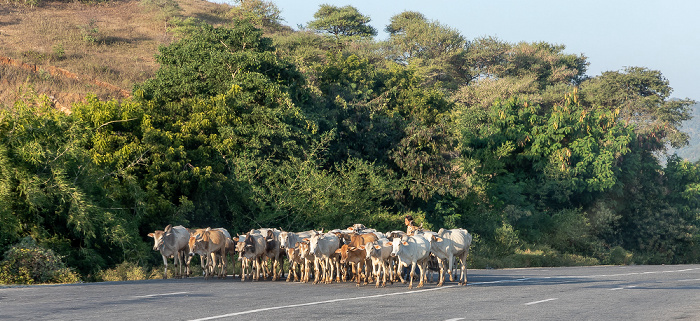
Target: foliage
x: 341, y: 22
x: 29, y: 263
x: 264, y: 15
x: 437, y: 51
x: 643, y: 98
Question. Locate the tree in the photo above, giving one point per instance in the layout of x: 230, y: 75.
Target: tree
x: 435, y: 50
x: 209, y: 61
x: 262, y: 14
x: 643, y: 98
x: 340, y: 22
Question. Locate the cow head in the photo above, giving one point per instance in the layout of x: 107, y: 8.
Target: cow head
x: 283, y: 239
x: 158, y: 242
x: 313, y: 243
x: 397, y: 243
x: 195, y: 243
x: 372, y: 249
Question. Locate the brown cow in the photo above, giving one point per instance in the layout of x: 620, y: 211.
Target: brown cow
x: 213, y: 243
x: 356, y: 257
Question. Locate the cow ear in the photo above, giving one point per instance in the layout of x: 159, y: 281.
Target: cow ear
x: 377, y: 247
x: 306, y: 240
x: 235, y: 239
x: 362, y: 247
x: 389, y: 243
x: 404, y: 243
x: 296, y: 244
x: 337, y: 251
x: 168, y: 228
x: 208, y: 229
x: 152, y: 235
x: 352, y: 248
x: 439, y: 239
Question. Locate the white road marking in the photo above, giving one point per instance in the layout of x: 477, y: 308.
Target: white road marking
x: 160, y: 294
x: 689, y: 280
x: 455, y: 319
x: 624, y: 287
x: 320, y: 302
x: 440, y: 288
x: 541, y: 301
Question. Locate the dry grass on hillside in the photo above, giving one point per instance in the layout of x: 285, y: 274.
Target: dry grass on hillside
x: 112, y: 42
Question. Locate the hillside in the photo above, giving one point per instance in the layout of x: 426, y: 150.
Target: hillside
x: 68, y: 50
x: 692, y: 127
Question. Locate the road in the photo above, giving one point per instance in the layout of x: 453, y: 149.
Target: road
x: 571, y: 293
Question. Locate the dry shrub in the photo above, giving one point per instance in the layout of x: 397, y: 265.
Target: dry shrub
x: 126, y: 271
x: 29, y: 263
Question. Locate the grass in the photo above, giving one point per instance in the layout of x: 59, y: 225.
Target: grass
x: 113, y: 42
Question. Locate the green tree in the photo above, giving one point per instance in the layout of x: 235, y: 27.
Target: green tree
x: 264, y: 15
x: 437, y: 51
x: 209, y: 61
x: 340, y: 22
x: 643, y: 98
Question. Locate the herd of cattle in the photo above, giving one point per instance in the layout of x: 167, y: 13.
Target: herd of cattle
x: 360, y: 252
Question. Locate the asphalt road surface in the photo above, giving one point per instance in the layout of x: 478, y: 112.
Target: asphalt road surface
x: 669, y: 292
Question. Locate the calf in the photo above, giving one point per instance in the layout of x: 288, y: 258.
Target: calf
x: 304, y: 252
x: 356, y: 257
x: 172, y: 242
x: 379, y: 253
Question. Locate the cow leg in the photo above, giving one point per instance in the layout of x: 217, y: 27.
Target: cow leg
x: 423, y: 272
x: 165, y: 264
x: 317, y: 270
x: 444, y: 265
x: 399, y: 271
x: 463, y: 275
x: 412, y: 274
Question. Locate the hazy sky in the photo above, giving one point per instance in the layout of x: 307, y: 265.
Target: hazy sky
x: 660, y: 35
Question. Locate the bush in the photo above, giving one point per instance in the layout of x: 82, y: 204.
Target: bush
x: 127, y: 271
x: 28, y: 263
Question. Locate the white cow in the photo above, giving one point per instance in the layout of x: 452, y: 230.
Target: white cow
x: 379, y: 252
x: 461, y: 241
x: 414, y: 250
x: 323, y: 247
x: 172, y: 242
x: 290, y: 239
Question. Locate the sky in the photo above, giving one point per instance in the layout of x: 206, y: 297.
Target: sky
x: 660, y: 35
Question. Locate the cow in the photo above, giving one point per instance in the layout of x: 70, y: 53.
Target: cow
x: 295, y: 261
x: 273, y: 251
x: 414, y: 250
x: 213, y: 243
x: 290, y: 239
x: 356, y: 257
x: 253, y: 249
x: 304, y: 252
x: 246, y: 268
x: 323, y: 247
x: 379, y: 253
x: 461, y: 241
x: 172, y: 242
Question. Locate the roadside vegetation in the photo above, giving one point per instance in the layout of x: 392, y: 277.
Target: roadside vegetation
x: 235, y: 120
